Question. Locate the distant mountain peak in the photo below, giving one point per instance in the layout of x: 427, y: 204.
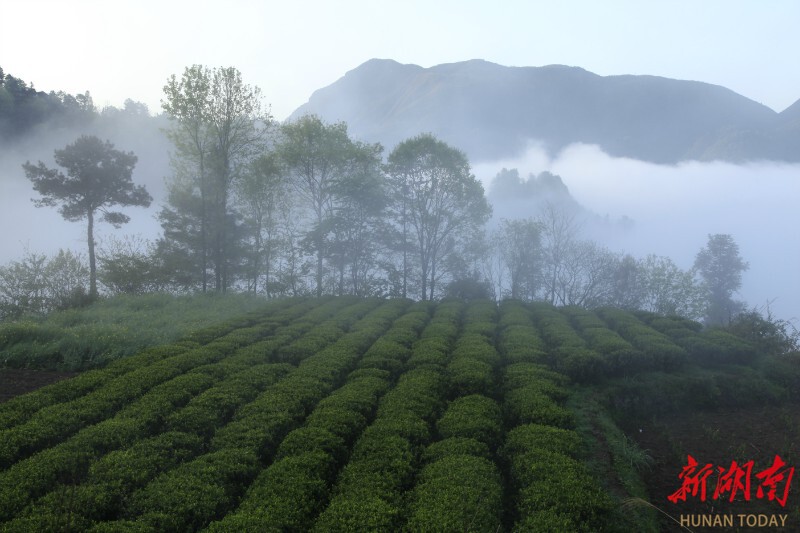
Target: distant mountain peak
x: 492, y: 111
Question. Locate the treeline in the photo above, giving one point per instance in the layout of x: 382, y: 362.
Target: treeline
x: 301, y: 208
x: 23, y: 108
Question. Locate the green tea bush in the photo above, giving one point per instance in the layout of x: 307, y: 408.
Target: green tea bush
x: 456, y: 446
x: 309, y: 439
x: 722, y: 347
x: 530, y: 405
x: 784, y: 370
x: 513, y: 313
x: 457, y: 493
x: 529, y: 437
x: 655, y: 346
x: 475, y: 416
x: 470, y: 376
x: 551, y: 383
x: 195, y: 493
x: 581, y: 364
x: 363, y: 511
x: 553, y: 483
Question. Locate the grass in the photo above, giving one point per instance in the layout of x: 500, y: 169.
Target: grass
x: 90, y: 337
x: 614, y: 457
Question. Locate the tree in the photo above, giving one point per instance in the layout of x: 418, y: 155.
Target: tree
x: 520, y: 251
x: 355, y: 223
x: 98, y: 177
x: 668, y: 290
x: 262, y: 191
x: 218, y: 128
x: 439, y: 205
x: 720, y: 266
x: 317, y: 156
x: 560, y: 229
x: 586, y: 276
x: 187, y: 103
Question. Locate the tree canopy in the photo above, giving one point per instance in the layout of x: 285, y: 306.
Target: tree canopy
x: 721, y: 267
x: 440, y: 201
x: 97, y: 178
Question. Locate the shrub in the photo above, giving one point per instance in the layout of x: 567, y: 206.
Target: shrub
x: 309, y: 439
x: 581, y: 364
x: 455, y: 446
x: 195, y: 493
x: 530, y: 437
x: 553, y: 483
x: 361, y: 511
x: 469, y: 376
x: 474, y: 416
x: 524, y: 374
x: 530, y: 405
x: 457, y: 493
x: 288, y: 494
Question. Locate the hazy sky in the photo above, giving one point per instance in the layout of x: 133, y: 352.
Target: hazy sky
x: 122, y: 49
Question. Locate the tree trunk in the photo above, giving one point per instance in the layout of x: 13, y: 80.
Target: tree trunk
x: 203, y: 225
x: 92, y: 262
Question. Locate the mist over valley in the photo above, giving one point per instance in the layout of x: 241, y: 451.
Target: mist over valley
x: 657, y: 194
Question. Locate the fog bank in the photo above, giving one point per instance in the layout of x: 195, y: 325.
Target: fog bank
x: 675, y: 208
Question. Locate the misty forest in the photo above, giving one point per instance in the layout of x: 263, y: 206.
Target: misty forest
x: 315, y: 331
x: 301, y: 208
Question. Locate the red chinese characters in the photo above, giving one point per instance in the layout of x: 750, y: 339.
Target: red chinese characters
x: 773, y: 482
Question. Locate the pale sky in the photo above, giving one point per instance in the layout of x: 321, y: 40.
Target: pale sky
x: 124, y: 49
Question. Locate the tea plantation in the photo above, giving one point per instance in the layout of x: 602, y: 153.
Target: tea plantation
x: 345, y: 414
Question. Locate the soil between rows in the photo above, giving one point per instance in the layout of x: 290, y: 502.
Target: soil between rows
x: 16, y: 381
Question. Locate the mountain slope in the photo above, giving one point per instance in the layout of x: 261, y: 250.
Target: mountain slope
x: 492, y: 111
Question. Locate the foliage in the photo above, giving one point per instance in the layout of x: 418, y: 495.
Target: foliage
x: 457, y: 493
x: 116, y: 327
x: 336, y: 181
x: 23, y: 108
x: 387, y: 415
x: 721, y: 267
x: 769, y: 334
x: 438, y: 205
x: 217, y: 126
x: 520, y: 250
x: 37, y: 285
x: 98, y: 177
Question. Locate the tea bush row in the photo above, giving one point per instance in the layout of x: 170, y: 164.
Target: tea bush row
x: 210, y: 486
x: 94, y: 439
x: 658, y: 350
x: 369, y: 492
x: 21, y: 408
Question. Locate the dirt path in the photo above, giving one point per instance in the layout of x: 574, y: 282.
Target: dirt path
x: 16, y: 381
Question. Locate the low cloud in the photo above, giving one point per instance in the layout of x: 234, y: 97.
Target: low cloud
x: 675, y: 208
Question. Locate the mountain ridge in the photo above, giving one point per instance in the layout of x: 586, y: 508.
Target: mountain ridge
x: 492, y: 111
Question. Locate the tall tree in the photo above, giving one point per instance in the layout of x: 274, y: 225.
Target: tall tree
x: 520, y: 249
x: 356, y: 223
x: 98, y: 177
x: 317, y: 156
x: 442, y: 204
x: 721, y: 267
x: 262, y: 191
x: 560, y: 231
x: 219, y: 126
x: 187, y: 102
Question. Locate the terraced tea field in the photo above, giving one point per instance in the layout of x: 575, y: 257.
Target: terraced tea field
x: 340, y: 414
